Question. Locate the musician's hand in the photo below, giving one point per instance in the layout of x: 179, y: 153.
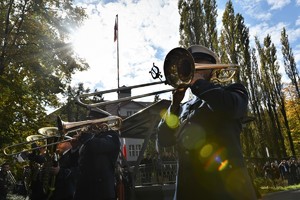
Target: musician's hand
x: 54, y: 170
x: 83, y: 137
x: 75, y: 139
x: 178, y: 96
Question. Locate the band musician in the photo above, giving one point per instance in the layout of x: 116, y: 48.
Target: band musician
x: 7, y: 180
x: 97, y: 162
x: 66, y: 171
x: 207, y: 135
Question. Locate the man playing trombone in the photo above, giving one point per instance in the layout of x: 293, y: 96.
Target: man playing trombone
x: 66, y: 171
x: 98, y: 155
x: 206, y: 130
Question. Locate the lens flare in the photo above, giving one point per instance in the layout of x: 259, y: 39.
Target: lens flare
x: 223, y: 165
x: 206, y: 151
x: 172, y: 121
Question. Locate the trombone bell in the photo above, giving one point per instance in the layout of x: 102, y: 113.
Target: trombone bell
x: 179, y: 67
x: 49, y: 131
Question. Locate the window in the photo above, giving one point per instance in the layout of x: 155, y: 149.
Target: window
x: 131, y: 150
x: 138, y: 148
x: 129, y: 113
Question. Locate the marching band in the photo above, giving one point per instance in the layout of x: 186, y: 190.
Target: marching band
x: 61, y: 167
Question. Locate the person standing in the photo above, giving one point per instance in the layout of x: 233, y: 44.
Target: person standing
x: 206, y: 131
x: 97, y: 162
x: 66, y: 171
x: 5, y: 180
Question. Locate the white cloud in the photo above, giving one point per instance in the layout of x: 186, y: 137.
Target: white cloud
x: 278, y: 4
x: 298, y: 21
x: 148, y: 30
x: 296, y: 52
x: 254, y: 9
x: 298, y: 2
x: 261, y: 30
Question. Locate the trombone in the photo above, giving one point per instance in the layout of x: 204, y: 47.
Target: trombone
x: 179, y: 68
x: 34, y: 139
x: 62, y: 131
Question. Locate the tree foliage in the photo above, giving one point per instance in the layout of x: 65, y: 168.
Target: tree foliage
x: 289, y: 61
x: 276, y: 121
x: 198, y: 23
x: 36, y: 61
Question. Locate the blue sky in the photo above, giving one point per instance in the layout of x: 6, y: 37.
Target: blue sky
x: 148, y: 30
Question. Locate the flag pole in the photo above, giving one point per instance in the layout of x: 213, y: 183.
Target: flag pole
x: 117, y: 32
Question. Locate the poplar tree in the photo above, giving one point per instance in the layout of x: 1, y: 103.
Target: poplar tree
x: 231, y: 33
x: 289, y: 61
x: 210, y: 31
x: 228, y: 35
x: 269, y: 73
x: 198, y: 23
x: 256, y: 93
x: 191, y: 26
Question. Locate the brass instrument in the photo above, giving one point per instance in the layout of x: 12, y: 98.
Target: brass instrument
x: 49, y: 135
x: 101, y: 125
x: 33, y: 140
x: 179, y: 68
x: 51, y: 158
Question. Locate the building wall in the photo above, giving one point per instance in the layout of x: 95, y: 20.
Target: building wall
x: 133, y: 146
x: 130, y: 109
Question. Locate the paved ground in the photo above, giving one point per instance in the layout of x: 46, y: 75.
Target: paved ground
x: 286, y: 195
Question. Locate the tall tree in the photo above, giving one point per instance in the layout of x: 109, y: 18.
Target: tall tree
x: 256, y: 94
x: 36, y: 61
x: 228, y: 35
x: 289, y: 61
x: 210, y: 31
x: 270, y: 78
x: 191, y: 26
x: 198, y: 23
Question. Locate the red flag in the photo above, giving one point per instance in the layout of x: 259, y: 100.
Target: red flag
x: 116, y: 29
x: 124, y: 149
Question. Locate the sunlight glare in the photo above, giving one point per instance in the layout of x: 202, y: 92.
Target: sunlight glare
x: 85, y: 41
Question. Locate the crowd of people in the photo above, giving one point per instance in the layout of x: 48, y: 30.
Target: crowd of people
x: 287, y: 170
x: 158, y: 169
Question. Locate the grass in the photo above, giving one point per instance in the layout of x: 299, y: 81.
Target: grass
x: 267, y: 186
x: 269, y: 189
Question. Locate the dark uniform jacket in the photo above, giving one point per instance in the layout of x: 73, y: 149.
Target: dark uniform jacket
x: 4, y: 183
x: 65, y: 181
x: 97, y: 159
x: 208, y: 140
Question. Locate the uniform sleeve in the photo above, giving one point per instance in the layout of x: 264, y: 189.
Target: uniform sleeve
x: 166, y: 132
x: 228, y: 101
x: 104, y: 144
